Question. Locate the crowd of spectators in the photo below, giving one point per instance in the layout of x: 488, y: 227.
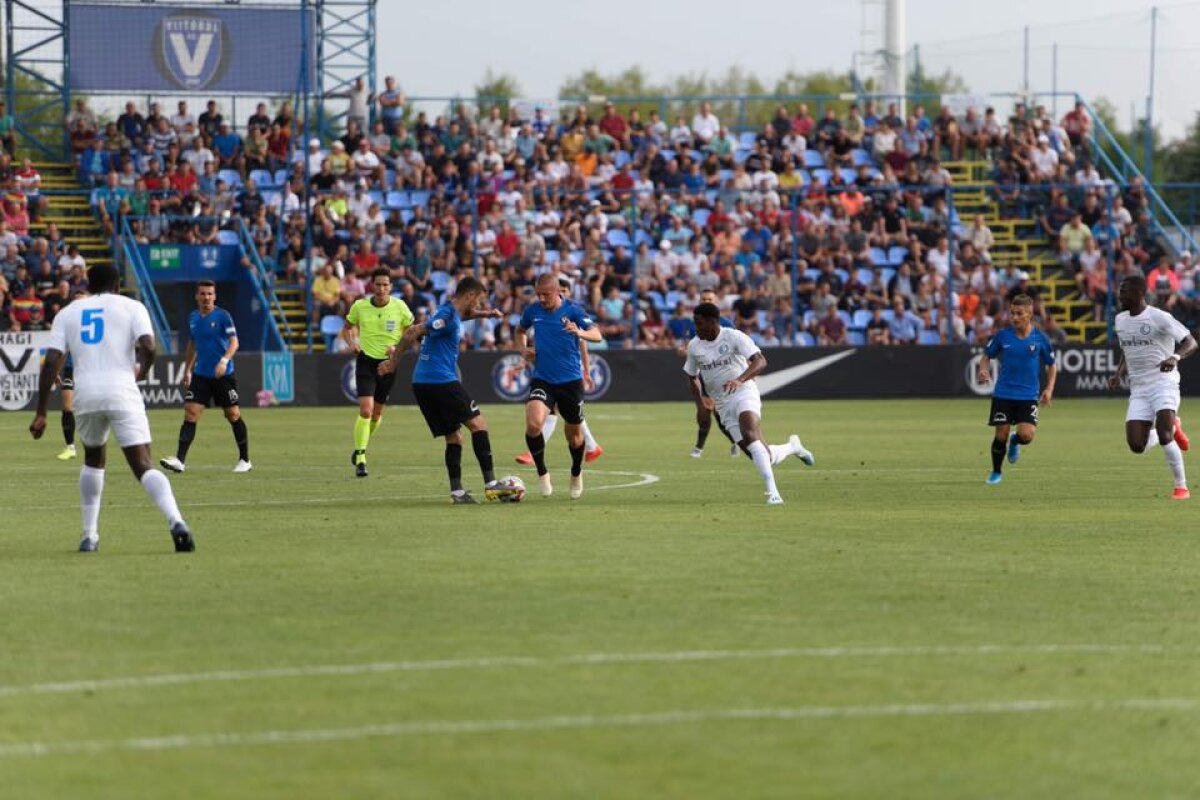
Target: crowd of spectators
x: 641, y: 215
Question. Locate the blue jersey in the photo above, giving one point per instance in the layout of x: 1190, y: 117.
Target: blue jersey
x: 211, y: 335
x: 438, y: 362
x: 558, y: 358
x: 1021, y: 363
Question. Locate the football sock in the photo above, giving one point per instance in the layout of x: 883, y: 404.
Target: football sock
x: 91, y: 486
x: 702, y: 435
x: 1151, y: 440
x: 242, y: 437
x: 454, y: 466
x: 537, y: 449
x: 68, y: 427
x: 589, y: 441
x: 779, y: 452
x: 999, y: 448
x: 548, y: 426
x: 159, y: 489
x: 762, y: 462
x: 187, y: 434
x: 362, y: 433
x: 482, y: 444
x: 577, y: 460
x: 1175, y: 462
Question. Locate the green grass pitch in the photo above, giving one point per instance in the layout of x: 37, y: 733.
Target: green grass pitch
x: 898, y: 629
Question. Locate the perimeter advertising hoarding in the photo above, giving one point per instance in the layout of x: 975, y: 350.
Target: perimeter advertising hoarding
x: 154, y: 47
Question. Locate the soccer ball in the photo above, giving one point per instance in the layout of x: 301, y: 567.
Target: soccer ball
x: 510, y: 489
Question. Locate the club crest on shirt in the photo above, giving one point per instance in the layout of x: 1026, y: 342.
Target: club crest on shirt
x: 723, y: 349
x: 390, y: 325
x: 1145, y: 329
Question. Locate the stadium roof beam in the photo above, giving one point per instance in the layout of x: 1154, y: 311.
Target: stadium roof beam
x: 35, y: 41
x: 349, y: 27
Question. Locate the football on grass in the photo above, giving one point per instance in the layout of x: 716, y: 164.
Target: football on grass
x: 512, y: 489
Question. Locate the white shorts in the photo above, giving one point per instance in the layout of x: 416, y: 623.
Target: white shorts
x: 129, y: 427
x: 1144, y: 403
x: 730, y: 408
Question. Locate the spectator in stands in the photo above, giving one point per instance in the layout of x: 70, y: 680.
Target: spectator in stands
x: 391, y: 105
x: 327, y: 293
x: 1078, y: 126
x: 227, y: 147
x: 7, y: 126
x: 705, y: 125
x: 1071, y: 240
x: 80, y: 117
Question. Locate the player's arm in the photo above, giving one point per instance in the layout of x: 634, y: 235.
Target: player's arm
x: 143, y: 354
x: 50, y: 367
x: 189, y: 361
x: 585, y: 359
x: 223, y: 364
x: 591, y: 334
x: 1184, y: 348
x: 521, y: 343
x: 349, y: 334
x: 984, y: 373
x: 1114, y: 381
x: 1048, y: 389
x: 411, y: 334
x: 755, y: 366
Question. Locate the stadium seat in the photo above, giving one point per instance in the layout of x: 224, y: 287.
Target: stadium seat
x: 621, y: 158
x: 575, y: 257
x: 812, y: 273
x: 396, y: 200
x: 696, y: 155
x: 331, y: 326
x: 281, y: 177
x: 747, y: 140
x: 376, y: 197
x: 227, y: 237
x: 843, y: 274
x: 389, y: 177
x: 929, y: 337
x: 848, y: 175
x: 879, y: 257
x: 813, y: 160
x: 619, y: 238
x: 856, y: 338
x: 861, y: 318
x: 641, y: 237
x: 888, y: 314
x: 805, y: 339
x: 896, y: 255
x: 439, y: 280
x: 667, y: 154
x: 420, y: 197
x: 672, y: 299
x: 261, y: 177
x: 810, y: 317
x: 270, y: 198
x: 822, y: 175
x: 740, y: 155
x: 864, y: 276
x: 700, y: 215
x: 845, y: 315
x: 659, y: 301
x: 887, y: 274
x: 230, y: 176
x: 726, y: 174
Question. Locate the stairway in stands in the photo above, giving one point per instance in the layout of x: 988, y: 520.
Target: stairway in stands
x: 73, y: 215
x: 1020, y: 242
x: 291, y: 300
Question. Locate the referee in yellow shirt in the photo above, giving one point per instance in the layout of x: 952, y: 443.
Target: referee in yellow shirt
x: 374, y: 326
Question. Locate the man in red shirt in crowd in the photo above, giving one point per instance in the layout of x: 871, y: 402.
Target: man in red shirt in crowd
x: 803, y: 123
x: 614, y: 125
x: 366, y: 260
x: 1077, y: 124
x: 507, y: 241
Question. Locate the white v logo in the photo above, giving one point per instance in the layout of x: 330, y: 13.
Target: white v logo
x: 191, y: 62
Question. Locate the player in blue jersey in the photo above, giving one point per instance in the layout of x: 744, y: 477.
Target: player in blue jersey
x: 1021, y: 350
x: 208, y: 375
x: 440, y: 395
x: 557, y: 384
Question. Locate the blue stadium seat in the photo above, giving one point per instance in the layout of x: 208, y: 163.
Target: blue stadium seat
x: 761, y: 318
x: 640, y: 236
x: 621, y: 158
x: 810, y: 317
x: 864, y: 276
x: 331, y: 326
x: 261, y: 177
x: 619, y: 238
x: 929, y: 337
x: 879, y: 257
x: 887, y: 274
x: 806, y: 339
x: 848, y: 175
x: 227, y: 237
x: 281, y: 177
x: 230, y: 176
x: 726, y: 174
x: 845, y: 315
x: 396, y: 200
x: 696, y: 155
x: 700, y: 215
x: 389, y: 175
x: 420, y: 197
x: 896, y: 255
x: 888, y: 314
x: 659, y: 301
x: 843, y: 274
x: 813, y: 159
x: 812, y: 273
x: 439, y: 280
x: 747, y: 140
x: 856, y: 338
x: 376, y: 197
x: 575, y: 257
x: 861, y: 158
x: 861, y: 318
x: 740, y: 155
x: 822, y: 175
x: 672, y: 298
x: 667, y: 154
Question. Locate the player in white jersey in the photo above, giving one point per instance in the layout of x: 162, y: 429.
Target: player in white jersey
x: 724, y: 362
x: 111, y: 342
x: 1152, y: 345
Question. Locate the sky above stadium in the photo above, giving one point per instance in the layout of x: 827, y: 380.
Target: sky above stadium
x: 443, y: 49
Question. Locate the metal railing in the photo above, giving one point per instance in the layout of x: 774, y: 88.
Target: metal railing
x: 262, y: 281
x: 145, y: 285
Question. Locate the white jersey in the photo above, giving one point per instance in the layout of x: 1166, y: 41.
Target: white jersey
x: 719, y: 361
x: 1147, y: 340
x: 100, y: 333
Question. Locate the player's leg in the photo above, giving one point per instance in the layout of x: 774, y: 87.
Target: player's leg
x: 1164, y: 426
x: 592, y: 448
x: 481, y: 444
x: 568, y: 399
x: 93, y: 433
x: 68, y: 422
x: 365, y: 383
x: 748, y: 426
x: 999, y: 417
x: 454, y: 443
x: 537, y: 408
x: 228, y: 399
x: 193, y: 409
x: 548, y: 429
x: 704, y: 417
x: 793, y: 447
x: 132, y: 431
x: 1139, y: 435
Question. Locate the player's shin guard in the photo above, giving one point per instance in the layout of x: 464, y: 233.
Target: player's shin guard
x: 68, y: 427
x: 481, y: 443
x: 1175, y: 461
x: 242, y: 437
x: 577, y: 454
x: 762, y: 462
x: 159, y: 488
x: 999, y: 448
x: 537, y: 449
x: 91, y: 486
x: 187, y: 435
x: 454, y: 466
x: 589, y: 441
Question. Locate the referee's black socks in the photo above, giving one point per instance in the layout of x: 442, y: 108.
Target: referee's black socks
x: 187, y: 434
x: 242, y: 437
x: 998, y: 449
x: 454, y: 466
x: 537, y: 449
x: 482, y: 444
x: 577, y: 460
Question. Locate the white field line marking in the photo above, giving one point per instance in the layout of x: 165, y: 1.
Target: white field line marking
x: 495, y: 662
x: 644, y: 479
x: 589, y: 721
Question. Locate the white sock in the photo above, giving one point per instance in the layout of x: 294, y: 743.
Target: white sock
x: 91, y: 486
x: 1175, y: 462
x: 548, y: 426
x: 159, y: 489
x: 762, y: 462
x: 589, y: 441
x: 779, y: 452
x: 1152, y: 440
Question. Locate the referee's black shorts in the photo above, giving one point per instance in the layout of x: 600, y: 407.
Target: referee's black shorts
x: 445, y: 406
x: 221, y: 392
x: 565, y: 398
x: 367, y: 380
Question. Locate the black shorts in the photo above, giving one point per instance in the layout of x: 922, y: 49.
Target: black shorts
x: 68, y: 379
x: 445, y: 406
x: 1013, y: 412
x: 220, y: 392
x: 566, y: 399
x: 368, y: 382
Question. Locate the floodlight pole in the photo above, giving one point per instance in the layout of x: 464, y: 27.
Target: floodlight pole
x: 1148, y: 133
